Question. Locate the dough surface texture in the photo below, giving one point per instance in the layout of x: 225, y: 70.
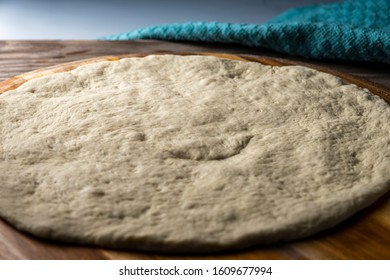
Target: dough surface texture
x: 189, y: 153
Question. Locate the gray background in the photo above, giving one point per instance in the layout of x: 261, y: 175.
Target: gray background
x: 77, y: 19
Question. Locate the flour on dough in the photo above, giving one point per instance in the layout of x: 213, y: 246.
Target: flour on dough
x: 189, y: 153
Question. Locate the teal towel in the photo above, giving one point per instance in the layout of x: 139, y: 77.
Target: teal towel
x: 351, y: 30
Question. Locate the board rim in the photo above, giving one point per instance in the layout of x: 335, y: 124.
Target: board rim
x: 16, y: 81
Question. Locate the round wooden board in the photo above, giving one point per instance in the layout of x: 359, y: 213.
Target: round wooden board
x: 366, y: 235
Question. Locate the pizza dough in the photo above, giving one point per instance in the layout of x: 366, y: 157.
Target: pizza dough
x: 189, y: 153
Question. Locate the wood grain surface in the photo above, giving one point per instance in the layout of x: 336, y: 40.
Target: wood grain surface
x: 366, y: 235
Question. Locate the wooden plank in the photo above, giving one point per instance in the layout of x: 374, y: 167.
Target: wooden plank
x: 364, y: 236
x: 56, y: 52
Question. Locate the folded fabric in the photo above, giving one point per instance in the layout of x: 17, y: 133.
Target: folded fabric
x: 351, y: 30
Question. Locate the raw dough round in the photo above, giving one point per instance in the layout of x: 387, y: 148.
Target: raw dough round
x: 189, y: 153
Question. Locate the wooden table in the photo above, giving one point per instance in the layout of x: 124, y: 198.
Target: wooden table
x: 364, y: 236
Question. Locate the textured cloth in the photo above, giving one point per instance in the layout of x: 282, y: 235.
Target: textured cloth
x: 351, y: 30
